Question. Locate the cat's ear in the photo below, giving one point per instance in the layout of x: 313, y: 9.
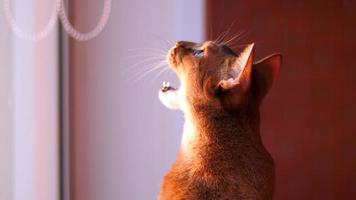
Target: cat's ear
x: 264, y: 73
x: 242, y: 69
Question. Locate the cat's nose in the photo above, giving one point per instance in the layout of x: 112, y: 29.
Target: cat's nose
x: 184, y: 44
x: 179, y: 44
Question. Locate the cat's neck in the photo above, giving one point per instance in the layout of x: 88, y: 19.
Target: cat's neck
x: 213, y: 133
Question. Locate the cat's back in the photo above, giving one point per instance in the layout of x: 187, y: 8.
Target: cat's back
x: 230, y: 182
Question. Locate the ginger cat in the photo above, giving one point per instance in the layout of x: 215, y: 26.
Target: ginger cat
x: 222, y: 156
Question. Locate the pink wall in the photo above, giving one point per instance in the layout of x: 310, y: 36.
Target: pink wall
x: 308, y: 119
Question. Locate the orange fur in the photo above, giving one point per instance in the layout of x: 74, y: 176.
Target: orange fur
x: 223, y: 156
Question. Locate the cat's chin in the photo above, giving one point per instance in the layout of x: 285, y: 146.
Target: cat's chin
x: 168, y: 95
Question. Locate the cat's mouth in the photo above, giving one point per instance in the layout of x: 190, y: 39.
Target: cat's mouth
x: 166, y: 86
x: 172, y: 61
x: 169, y: 96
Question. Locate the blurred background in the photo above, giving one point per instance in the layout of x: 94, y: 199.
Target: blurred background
x: 79, y: 113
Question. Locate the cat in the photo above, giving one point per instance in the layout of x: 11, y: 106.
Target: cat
x: 221, y: 156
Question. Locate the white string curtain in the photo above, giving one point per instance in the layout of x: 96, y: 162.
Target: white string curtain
x: 58, y: 13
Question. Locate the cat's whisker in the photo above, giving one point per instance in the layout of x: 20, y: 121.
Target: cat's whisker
x: 142, y: 72
x: 151, y: 63
x: 158, y: 66
x: 168, y: 70
x: 242, y: 35
x: 160, y: 73
x: 144, y: 48
x: 151, y: 67
x: 159, y: 59
x: 146, y: 55
x: 225, y: 33
x: 169, y: 43
x: 220, y: 27
x: 145, y: 60
x: 229, y: 30
x: 147, y: 66
x: 148, y: 50
x: 144, y: 66
x: 232, y: 38
x: 218, y: 38
x: 164, y: 40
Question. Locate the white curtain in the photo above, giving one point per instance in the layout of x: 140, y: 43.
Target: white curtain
x: 28, y: 106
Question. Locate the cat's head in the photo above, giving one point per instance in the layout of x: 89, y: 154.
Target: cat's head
x: 214, y: 75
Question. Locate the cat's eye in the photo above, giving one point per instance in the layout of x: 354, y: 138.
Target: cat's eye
x: 198, y: 53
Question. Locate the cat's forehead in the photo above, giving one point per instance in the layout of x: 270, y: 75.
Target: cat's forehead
x: 206, y: 44
x: 224, y: 48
